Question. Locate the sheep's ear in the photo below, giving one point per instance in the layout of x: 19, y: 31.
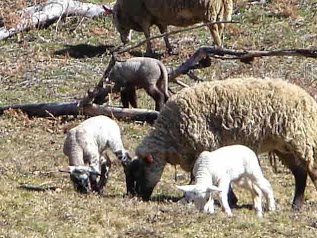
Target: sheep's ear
x: 107, y: 9
x: 186, y: 188
x: 149, y: 159
x: 212, y: 188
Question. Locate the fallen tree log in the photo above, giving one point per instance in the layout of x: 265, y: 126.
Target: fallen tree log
x: 72, y: 108
x: 45, y: 14
x: 201, y: 58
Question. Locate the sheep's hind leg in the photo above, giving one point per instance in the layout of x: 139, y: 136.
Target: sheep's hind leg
x: 163, y: 29
x: 312, y: 171
x: 215, y: 34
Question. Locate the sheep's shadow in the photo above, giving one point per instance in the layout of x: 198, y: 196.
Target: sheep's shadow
x: 83, y: 50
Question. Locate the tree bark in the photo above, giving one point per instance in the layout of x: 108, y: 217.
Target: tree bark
x: 47, y: 13
x: 72, y: 108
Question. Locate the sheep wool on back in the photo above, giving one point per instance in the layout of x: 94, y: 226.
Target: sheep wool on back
x: 263, y: 114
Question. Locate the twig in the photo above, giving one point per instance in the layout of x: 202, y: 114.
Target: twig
x: 37, y: 188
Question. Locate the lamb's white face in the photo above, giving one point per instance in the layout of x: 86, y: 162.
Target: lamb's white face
x: 200, y: 196
x: 197, y: 195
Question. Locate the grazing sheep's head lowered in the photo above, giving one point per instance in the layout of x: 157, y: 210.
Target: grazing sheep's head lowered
x: 139, y: 176
x: 121, y: 23
x: 82, y: 177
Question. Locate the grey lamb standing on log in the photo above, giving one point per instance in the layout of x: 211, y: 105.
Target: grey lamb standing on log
x: 265, y: 115
x: 140, y: 15
x: 140, y: 72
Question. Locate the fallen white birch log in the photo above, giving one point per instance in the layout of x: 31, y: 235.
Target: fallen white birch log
x: 47, y: 13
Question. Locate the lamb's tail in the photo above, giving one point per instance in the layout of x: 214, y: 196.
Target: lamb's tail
x: 163, y: 82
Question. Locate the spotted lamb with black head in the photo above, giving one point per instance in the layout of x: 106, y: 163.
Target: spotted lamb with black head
x: 84, y: 146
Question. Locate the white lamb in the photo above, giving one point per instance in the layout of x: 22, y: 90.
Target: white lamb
x: 84, y: 145
x: 215, y: 171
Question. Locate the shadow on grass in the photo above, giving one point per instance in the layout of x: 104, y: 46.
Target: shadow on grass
x: 83, y: 50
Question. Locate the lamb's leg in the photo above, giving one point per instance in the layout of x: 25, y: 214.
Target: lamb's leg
x: 128, y: 95
x: 265, y: 186
x: 232, y: 198
x: 92, y: 155
x: 224, y: 185
x: 158, y: 97
x: 257, y: 200
x: 125, y: 97
x: 163, y: 29
x: 250, y: 184
x: 105, y: 165
x: 209, y: 206
x: 300, y: 174
x: 133, y: 97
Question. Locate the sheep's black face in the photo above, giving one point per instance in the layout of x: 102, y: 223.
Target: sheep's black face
x: 143, y: 176
x: 133, y: 172
x: 80, y: 181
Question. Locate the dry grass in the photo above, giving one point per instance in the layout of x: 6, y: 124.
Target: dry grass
x: 61, y: 62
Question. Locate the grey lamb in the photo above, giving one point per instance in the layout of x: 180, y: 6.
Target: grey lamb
x: 140, y: 72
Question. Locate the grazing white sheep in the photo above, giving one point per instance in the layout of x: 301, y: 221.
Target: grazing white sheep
x: 266, y: 115
x: 214, y: 171
x: 84, y: 145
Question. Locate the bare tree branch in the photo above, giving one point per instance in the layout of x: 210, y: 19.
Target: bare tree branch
x: 201, y: 58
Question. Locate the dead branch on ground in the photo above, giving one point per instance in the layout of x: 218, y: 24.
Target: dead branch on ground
x: 45, y: 14
x: 72, y: 108
x: 201, y: 58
